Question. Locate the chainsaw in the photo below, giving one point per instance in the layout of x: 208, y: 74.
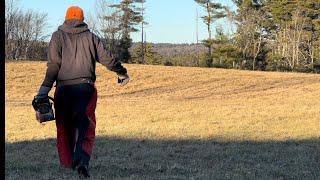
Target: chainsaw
x: 43, y: 108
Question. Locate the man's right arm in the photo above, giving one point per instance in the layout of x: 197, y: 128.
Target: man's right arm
x: 53, y: 65
x: 54, y: 61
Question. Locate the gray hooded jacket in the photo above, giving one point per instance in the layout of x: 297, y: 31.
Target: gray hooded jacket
x: 73, y: 52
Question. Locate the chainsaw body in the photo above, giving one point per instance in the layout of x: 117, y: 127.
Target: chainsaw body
x: 43, y: 108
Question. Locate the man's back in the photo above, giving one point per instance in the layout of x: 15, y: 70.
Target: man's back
x: 73, y: 52
x: 78, y: 51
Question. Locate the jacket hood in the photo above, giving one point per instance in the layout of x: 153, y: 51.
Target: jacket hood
x: 74, y: 26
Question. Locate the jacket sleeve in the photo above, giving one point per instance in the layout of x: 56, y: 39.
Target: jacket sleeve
x: 106, y: 58
x: 54, y: 60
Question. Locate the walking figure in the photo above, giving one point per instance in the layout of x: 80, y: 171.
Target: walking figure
x: 72, y: 56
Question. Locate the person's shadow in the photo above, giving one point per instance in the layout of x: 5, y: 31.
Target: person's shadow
x: 118, y: 158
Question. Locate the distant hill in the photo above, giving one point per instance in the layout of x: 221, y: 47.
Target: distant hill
x: 172, y: 50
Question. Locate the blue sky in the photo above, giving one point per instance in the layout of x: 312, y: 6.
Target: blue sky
x: 170, y: 21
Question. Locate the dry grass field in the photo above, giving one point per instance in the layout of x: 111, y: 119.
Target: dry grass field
x: 176, y: 123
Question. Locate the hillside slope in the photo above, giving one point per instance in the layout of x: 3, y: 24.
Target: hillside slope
x: 177, y: 122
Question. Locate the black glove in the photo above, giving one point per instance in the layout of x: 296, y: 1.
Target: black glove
x: 43, y: 91
x: 123, y: 79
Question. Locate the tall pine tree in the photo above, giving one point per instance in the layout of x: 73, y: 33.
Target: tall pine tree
x: 130, y: 17
x: 214, y: 11
x: 142, y: 9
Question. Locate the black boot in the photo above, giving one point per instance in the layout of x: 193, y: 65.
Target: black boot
x: 83, y: 171
x: 75, y: 164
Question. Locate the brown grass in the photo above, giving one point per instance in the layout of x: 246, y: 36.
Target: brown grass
x: 177, y: 123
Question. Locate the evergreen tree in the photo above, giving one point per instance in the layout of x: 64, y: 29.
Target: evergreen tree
x: 226, y: 53
x: 142, y: 9
x: 214, y: 11
x: 151, y: 56
x: 130, y: 17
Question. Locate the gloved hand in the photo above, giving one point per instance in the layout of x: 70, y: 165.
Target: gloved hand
x: 43, y: 91
x: 41, y: 96
x: 123, y: 79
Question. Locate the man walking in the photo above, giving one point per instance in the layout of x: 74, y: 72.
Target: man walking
x: 72, y: 56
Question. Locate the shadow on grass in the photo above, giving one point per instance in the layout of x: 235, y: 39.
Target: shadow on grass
x: 117, y: 158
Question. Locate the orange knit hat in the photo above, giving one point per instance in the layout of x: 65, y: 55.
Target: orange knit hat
x: 74, y: 12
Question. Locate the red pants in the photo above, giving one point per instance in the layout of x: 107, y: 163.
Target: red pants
x: 76, y: 122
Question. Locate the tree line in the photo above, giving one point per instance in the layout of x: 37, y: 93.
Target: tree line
x: 24, y: 32
x: 270, y: 35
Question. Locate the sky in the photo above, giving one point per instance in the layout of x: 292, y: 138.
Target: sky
x: 170, y: 21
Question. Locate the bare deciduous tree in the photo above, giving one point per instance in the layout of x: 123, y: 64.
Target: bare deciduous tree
x: 22, y: 30
x: 105, y: 22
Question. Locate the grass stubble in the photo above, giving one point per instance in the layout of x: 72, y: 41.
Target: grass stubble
x: 176, y: 123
